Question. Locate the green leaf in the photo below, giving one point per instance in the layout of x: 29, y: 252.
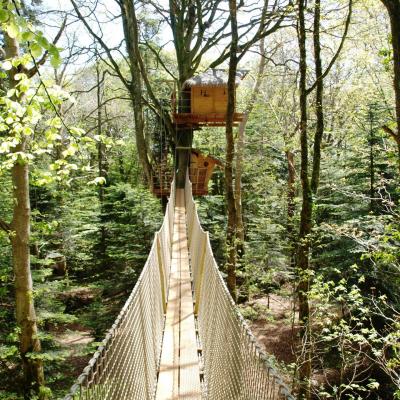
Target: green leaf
x: 36, y: 50
x: 3, y: 15
x: 77, y: 131
x: 27, y: 131
x: 98, y: 181
x: 28, y: 36
x: 7, y: 351
x: 12, y: 30
x: 55, y: 61
x: 42, y: 41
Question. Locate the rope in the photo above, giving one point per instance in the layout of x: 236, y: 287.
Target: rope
x: 126, y: 365
x: 235, y: 367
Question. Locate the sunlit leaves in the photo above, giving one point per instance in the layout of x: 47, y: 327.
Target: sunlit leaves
x: 12, y: 30
x: 36, y: 50
x: 98, y: 181
x: 3, y: 15
x: 17, y: 27
x: 32, y: 116
x: 70, y: 151
x: 55, y: 60
x: 27, y: 36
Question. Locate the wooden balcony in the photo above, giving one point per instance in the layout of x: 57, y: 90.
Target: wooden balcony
x: 210, y: 119
x: 161, y: 182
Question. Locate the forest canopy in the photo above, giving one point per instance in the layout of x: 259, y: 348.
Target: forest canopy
x: 97, y: 114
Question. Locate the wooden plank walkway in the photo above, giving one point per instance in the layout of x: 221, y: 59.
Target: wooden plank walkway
x: 179, y: 376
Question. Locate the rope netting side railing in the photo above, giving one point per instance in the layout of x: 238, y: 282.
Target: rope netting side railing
x: 235, y: 367
x: 125, y: 365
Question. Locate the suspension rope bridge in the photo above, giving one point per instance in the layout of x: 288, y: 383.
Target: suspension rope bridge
x: 180, y: 336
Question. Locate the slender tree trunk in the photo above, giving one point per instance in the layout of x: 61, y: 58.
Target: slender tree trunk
x: 230, y: 152
x: 291, y: 208
x: 102, y: 167
x: 371, y: 143
x: 305, y: 217
x: 136, y: 88
x: 240, y: 234
x: 319, y: 108
x: 20, y: 238
x: 393, y: 8
x: 309, y: 189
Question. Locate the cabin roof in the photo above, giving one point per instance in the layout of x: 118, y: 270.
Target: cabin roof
x: 214, y: 77
x: 209, y: 157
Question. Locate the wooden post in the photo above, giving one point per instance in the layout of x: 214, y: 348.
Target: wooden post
x: 162, y: 273
x: 199, y: 283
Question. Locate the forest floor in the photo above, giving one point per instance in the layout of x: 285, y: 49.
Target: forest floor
x: 273, y: 326
x: 75, y: 340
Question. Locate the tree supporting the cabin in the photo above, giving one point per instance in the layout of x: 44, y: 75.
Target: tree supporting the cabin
x: 184, y: 140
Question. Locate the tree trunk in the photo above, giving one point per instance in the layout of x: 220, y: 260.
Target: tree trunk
x: 240, y: 232
x: 238, y: 191
x: 102, y: 167
x: 291, y: 208
x: 305, y: 217
x: 371, y: 143
x: 136, y: 90
x: 230, y: 152
x: 319, y: 110
x: 20, y: 238
x: 184, y: 139
x: 239, y: 155
x: 393, y: 8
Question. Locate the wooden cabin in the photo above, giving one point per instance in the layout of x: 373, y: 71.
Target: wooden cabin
x: 204, y: 99
x: 200, y: 171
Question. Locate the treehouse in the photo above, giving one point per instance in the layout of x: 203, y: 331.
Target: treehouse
x: 200, y: 171
x: 204, y: 99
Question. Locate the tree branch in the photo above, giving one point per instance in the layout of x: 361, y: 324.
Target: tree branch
x: 334, y: 58
x: 6, y: 227
x: 392, y: 133
x: 33, y: 71
x: 102, y: 44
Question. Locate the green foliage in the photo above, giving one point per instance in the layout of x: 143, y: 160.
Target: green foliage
x: 129, y: 213
x: 346, y: 337
x: 102, y: 220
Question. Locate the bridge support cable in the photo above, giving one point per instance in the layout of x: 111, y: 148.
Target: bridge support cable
x: 235, y: 367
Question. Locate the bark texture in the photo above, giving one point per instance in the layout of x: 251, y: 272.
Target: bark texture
x: 102, y: 169
x: 230, y: 152
x: 305, y: 216
x: 135, y: 87
x: 240, y: 233
x: 20, y: 241
x: 319, y: 95
x: 291, y: 207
